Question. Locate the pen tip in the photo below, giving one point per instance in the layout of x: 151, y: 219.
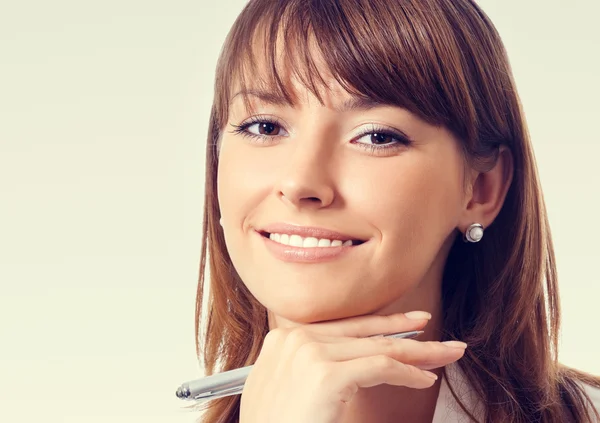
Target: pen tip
x: 182, y: 392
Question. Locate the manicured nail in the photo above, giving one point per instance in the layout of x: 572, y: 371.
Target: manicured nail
x: 418, y: 315
x: 430, y: 374
x: 455, y: 344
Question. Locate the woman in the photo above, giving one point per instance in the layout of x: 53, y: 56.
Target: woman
x: 370, y: 166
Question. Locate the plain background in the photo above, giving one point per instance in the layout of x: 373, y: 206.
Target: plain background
x: 103, y: 118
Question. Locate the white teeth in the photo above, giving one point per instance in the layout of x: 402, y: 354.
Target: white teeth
x: 295, y: 241
x: 324, y: 243
x: 309, y: 242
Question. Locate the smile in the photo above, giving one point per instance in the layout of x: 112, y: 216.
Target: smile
x: 294, y: 248
x: 309, y: 242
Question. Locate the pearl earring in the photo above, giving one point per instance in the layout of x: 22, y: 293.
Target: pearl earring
x: 474, y: 233
x: 221, y: 221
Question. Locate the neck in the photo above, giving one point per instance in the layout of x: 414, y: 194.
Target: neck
x: 386, y: 403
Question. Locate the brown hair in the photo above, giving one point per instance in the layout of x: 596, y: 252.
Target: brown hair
x: 444, y: 61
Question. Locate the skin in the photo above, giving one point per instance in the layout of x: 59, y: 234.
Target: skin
x: 408, y: 202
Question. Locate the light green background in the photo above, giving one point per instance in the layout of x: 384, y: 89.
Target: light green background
x: 103, y: 118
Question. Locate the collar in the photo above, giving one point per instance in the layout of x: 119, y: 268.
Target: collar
x: 447, y: 409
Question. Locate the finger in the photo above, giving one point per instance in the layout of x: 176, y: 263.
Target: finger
x: 348, y: 376
x: 320, y: 337
x: 425, y: 355
x: 363, y: 326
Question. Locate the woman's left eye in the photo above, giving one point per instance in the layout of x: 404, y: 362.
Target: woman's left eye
x: 382, y: 138
x: 381, y: 141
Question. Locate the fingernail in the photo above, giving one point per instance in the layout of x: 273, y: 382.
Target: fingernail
x: 455, y: 344
x: 430, y: 374
x: 418, y: 315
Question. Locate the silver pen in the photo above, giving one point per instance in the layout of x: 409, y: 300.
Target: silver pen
x: 232, y: 382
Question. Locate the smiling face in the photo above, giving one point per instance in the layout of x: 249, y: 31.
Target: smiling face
x: 376, y: 173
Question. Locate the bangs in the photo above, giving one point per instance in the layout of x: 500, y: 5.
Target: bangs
x: 401, y: 53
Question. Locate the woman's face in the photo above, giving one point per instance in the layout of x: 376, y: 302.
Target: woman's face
x: 346, y: 170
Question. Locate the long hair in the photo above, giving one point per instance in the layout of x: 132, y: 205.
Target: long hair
x: 444, y: 61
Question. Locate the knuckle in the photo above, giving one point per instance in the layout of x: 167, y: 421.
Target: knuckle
x: 298, y: 336
x: 387, y: 345
x: 322, y: 372
x: 413, y: 371
x: 387, y: 320
x: 274, y: 337
x: 311, y: 351
x: 384, y: 363
x: 347, y: 393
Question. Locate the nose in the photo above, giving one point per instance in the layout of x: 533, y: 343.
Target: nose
x: 306, y: 181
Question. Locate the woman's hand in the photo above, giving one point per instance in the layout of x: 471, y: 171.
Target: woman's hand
x: 310, y: 373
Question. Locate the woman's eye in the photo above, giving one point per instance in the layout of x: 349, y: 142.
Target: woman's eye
x: 265, y: 128
x: 377, y: 138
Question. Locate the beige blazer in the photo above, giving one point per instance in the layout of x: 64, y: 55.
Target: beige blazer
x: 447, y: 409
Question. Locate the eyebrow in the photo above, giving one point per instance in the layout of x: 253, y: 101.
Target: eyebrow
x: 351, y: 104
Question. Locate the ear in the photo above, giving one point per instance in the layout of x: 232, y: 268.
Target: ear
x: 488, y: 191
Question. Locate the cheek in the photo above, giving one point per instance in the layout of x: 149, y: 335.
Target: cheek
x: 414, y: 205
x: 396, y: 196
x: 244, y: 180
x: 241, y: 179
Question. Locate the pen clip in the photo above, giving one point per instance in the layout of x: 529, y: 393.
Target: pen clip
x: 206, y: 396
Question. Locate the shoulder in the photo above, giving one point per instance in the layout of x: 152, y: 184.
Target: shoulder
x: 448, y: 410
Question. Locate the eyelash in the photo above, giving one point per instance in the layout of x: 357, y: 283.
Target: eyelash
x: 401, y: 140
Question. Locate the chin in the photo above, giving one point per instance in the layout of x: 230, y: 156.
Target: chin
x: 297, y: 313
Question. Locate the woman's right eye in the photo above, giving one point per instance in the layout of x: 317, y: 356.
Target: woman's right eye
x: 260, y: 128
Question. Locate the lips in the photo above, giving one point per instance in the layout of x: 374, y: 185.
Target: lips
x: 309, y: 231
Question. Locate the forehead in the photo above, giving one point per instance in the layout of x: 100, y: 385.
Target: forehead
x: 333, y: 99
x: 285, y: 70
